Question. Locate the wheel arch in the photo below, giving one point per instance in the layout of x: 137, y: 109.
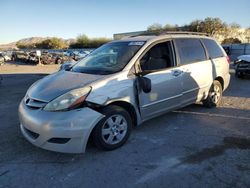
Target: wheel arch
x: 128, y: 107
x: 123, y: 104
x: 221, y: 80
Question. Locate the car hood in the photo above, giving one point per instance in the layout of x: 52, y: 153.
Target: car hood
x: 59, y: 83
x: 244, y: 58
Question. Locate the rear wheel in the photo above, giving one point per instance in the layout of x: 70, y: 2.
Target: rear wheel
x: 214, y: 96
x: 114, y: 129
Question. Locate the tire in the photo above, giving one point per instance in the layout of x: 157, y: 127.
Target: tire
x: 114, y: 129
x: 214, y: 97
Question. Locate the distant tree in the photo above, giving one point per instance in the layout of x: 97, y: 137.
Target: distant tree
x: 155, y: 27
x: 211, y: 26
x: 158, y: 28
x: 231, y: 41
x: 22, y: 45
x: 96, y: 42
x: 169, y: 27
x: 247, y: 34
x: 194, y: 26
x: 52, y: 43
x: 82, y: 41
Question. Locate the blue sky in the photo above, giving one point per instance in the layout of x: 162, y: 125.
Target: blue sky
x: 100, y: 18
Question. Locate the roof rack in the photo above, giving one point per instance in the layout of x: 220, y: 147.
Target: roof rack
x: 145, y: 33
x: 157, y: 33
x: 183, y: 33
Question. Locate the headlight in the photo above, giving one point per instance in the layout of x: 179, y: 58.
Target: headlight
x: 68, y: 100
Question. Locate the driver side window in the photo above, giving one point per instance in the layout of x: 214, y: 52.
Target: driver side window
x: 158, y: 57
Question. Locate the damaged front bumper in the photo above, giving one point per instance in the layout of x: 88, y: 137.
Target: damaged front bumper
x: 66, y: 132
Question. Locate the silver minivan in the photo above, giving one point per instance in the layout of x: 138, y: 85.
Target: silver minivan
x: 120, y: 85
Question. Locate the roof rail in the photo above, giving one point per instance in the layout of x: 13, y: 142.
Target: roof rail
x: 158, y: 33
x: 183, y: 33
x: 146, y: 33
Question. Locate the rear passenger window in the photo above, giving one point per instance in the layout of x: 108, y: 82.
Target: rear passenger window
x: 190, y: 50
x: 213, y: 49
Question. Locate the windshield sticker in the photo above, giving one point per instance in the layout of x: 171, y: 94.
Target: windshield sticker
x: 137, y: 43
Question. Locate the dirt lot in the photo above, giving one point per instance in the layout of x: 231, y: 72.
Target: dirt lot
x: 22, y: 68
x: 191, y: 147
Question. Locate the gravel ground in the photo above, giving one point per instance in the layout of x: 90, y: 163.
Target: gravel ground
x: 22, y: 68
x: 190, y: 147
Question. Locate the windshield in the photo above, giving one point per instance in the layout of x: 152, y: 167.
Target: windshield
x: 109, y: 58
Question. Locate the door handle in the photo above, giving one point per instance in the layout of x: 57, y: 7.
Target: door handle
x: 177, y: 72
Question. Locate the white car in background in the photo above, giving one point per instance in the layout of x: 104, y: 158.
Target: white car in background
x: 242, y: 66
x: 1, y: 60
x: 6, y: 57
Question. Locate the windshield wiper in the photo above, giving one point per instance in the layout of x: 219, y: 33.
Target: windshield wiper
x: 94, y: 71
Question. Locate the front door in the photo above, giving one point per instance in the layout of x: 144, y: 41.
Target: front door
x: 165, y: 94
x: 166, y: 81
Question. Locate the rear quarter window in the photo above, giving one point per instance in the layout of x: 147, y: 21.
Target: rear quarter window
x: 190, y: 50
x: 213, y: 49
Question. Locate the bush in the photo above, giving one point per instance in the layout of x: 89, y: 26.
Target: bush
x: 231, y: 41
x: 53, y: 43
x: 26, y: 46
x: 82, y: 41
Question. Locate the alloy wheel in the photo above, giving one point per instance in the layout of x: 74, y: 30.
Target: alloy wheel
x: 114, y: 129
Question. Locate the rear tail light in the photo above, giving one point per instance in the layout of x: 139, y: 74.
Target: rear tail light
x: 228, y: 60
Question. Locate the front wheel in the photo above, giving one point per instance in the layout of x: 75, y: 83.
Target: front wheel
x: 114, y: 129
x: 214, y: 95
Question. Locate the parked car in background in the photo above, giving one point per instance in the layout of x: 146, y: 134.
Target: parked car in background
x: 79, y: 55
x: 120, y: 85
x: 67, y: 53
x: 1, y: 60
x: 32, y: 58
x: 20, y: 56
x: 5, y: 56
x: 46, y: 58
x: 242, y: 66
x: 235, y: 50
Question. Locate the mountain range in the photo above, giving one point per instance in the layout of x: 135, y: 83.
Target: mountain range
x: 30, y: 40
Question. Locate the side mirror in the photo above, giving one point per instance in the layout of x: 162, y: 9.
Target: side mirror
x: 67, y: 66
x: 144, y: 83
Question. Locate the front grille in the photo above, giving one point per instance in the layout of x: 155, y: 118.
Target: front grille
x: 34, y: 103
x: 243, y: 66
x: 59, y: 140
x: 32, y: 134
